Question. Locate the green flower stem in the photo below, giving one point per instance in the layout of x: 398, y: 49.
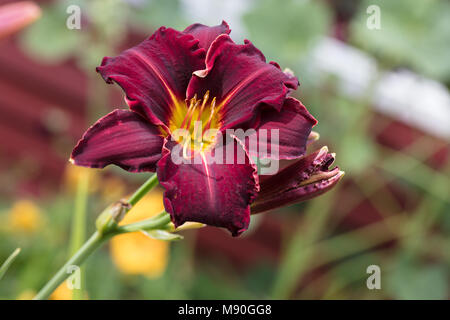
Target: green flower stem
x: 143, y: 190
x: 94, y: 242
x: 160, y: 221
x: 4, y: 267
x: 78, y: 236
x: 156, y: 222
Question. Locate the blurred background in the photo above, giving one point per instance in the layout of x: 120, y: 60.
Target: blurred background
x: 379, y: 88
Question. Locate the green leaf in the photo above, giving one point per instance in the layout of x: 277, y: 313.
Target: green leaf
x: 8, y: 262
x: 162, y: 235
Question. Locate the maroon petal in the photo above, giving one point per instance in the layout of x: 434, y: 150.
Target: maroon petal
x: 293, y: 126
x: 206, y: 35
x: 306, y: 178
x: 206, y: 192
x: 155, y: 73
x: 239, y: 77
x: 122, y: 138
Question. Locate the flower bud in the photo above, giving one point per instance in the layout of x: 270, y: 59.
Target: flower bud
x: 304, y: 179
x: 112, y: 215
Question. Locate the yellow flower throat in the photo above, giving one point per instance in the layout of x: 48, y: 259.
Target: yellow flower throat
x: 194, y: 123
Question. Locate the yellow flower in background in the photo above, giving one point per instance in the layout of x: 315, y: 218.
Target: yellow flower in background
x: 113, y: 188
x: 62, y: 292
x: 27, y: 294
x: 73, y: 174
x: 136, y: 253
x: 25, y: 216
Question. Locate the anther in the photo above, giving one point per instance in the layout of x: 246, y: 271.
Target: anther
x: 191, y: 114
x: 213, y: 106
x: 205, y: 100
x: 190, y: 111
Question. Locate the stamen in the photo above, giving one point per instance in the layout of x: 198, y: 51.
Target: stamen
x: 197, y: 135
x: 205, y: 100
x: 189, y: 111
x: 213, y: 107
x: 192, y: 113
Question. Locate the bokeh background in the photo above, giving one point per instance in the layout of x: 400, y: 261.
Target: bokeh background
x: 383, y: 104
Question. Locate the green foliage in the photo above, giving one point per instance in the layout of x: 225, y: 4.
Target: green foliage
x: 153, y: 14
x: 411, y: 281
x: 103, y: 26
x: 4, y: 267
x: 412, y: 35
x: 49, y: 39
x: 286, y: 30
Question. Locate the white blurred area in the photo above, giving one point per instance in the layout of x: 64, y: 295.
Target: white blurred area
x: 411, y: 98
x: 212, y: 12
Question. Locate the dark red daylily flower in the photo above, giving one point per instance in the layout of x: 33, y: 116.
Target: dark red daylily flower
x: 175, y: 80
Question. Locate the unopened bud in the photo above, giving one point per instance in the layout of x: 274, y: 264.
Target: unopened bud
x: 112, y: 215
